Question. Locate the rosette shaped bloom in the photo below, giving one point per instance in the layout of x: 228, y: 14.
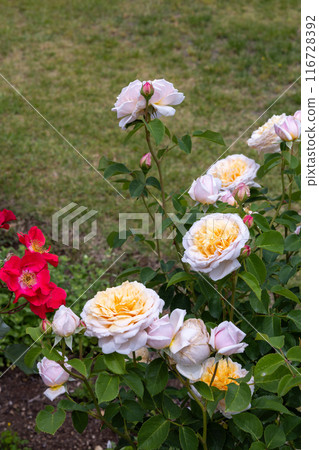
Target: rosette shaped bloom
x: 265, y: 139
x: 54, y: 376
x: 213, y: 244
x: 205, y: 189
x: 34, y: 240
x: 26, y: 277
x: 226, y: 339
x: 6, y: 215
x: 234, y: 170
x: 190, y: 346
x: 289, y: 130
x: 164, y: 96
x: 65, y: 322
x: 162, y: 331
x: 119, y: 316
x: 227, y: 372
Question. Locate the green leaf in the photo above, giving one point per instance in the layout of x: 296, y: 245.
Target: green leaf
x: 52, y: 354
x: 260, y: 306
x: 274, y: 437
x: 114, y: 240
x: 79, y: 366
x: 132, y: 411
x: 252, y: 282
x: 129, y: 271
x: 80, y: 420
x: 136, y: 188
x: 274, y: 341
x: 170, y: 409
x: 238, y: 397
x: 257, y: 446
x: 179, y: 277
x: 261, y: 222
x: 147, y: 274
x: 132, y: 132
x: 70, y: 405
x: 31, y: 356
x: 152, y: 181
x: 106, y: 387
x: 249, y: 423
x: 271, y: 161
x: 49, y: 421
x: 270, y: 382
x: 115, y: 363
x: 153, y: 433
x: 115, y: 169
x: 270, y: 402
x: 288, y: 382
x: 135, y: 383
x: 294, y: 354
x: 267, y: 365
x: 157, y: 130
x: 4, y: 329
x: 34, y: 332
x: 205, y: 390
x: 292, y: 243
x: 295, y: 316
x: 15, y: 353
x: 185, y: 143
x: 188, y: 438
x: 156, y: 376
x: 210, y: 136
x: 285, y: 293
x: 257, y: 267
x: 271, y: 241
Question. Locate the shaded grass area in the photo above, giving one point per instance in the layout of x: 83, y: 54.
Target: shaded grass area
x: 71, y: 59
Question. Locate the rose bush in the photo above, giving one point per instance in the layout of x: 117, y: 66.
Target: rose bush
x: 157, y: 371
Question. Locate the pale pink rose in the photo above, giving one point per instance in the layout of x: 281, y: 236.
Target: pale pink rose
x: 130, y: 103
x: 298, y: 229
x: 65, y: 322
x: 205, y: 189
x: 160, y: 333
x: 265, y: 139
x: 54, y: 376
x: 242, y: 192
x: 226, y: 339
x: 164, y: 96
x: 234, y: 170
x: 228, y: 197
x: 297, y: 115
x: 289, y: 130
x: 248, y: 220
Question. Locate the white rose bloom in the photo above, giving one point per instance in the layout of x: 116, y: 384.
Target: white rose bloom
x: 190, y: 345
x: 265, y: 139
x: 65, y: 322
x: 227, y: 371
x: 165, y: 95
x: 213, y: 244
x: 234, y: 170
x: 120, y: 315
x: 205, y: 189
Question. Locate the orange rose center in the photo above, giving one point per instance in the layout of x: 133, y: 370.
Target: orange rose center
x: 215, y: 236
x: 37, y: 247
x: 228, y: 171
x: 27, y: 279
x: 226, y: 370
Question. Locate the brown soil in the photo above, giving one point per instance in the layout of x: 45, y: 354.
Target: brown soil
x: 21, y: 398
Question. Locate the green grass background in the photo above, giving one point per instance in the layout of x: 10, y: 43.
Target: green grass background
x: 71, y: 59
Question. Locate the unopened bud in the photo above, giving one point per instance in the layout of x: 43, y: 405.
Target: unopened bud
x: 242, y: 192
x: 82, y: 324
x: 147, y: 90
x: 248, y: 220
x: 246, y: 251
x: 46, y: 326
x: 146, y: 162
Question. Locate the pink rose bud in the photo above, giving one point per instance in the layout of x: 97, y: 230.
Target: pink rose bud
x: 52, y: 373
x: 248, y: 221
x: 205, y: 189
x: 46, y: 326
x: 226, y: 339
x: 246, y: 251
x: 82, y: 324
x: 242, y: 192
x: 297, y: 115
x: 289, y: 130
x: 146, y: 161
x: 160, y: 333
x: 65, y: 322
x: 228, y: 198
x: 147, y: 90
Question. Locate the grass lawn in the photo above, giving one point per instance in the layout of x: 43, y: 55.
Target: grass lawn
x: 71, y: 59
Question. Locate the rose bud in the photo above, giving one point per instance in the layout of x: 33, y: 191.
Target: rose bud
x: 160, y: 333
x: 46, y: 326
x: 248, y: 220
x: 242, y: 192
x: 226, y: 339
x: 146, y: 162
x: 289, y: 130
x: 297, y: 230
x: 147, y: 90
x: 246, y: 251
x: 54, y: 376
x: 227, y: 197
x: 205, y: 189
x: 297, y: 115
x: 65, y: 322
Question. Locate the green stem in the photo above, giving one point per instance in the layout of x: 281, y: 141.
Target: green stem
x: 283, y: 190
x: 234, y: 283
x: 153, y: 219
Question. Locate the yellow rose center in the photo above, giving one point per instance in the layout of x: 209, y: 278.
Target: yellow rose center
x: 27, y: 279
x: 37, y: 247
x: 226, y: 370
x: 229, y: 170
x: 215, y: 236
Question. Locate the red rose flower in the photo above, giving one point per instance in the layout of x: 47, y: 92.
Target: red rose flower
x: 42, y: 304
x: 35, y: 241
x: 26, y: 277
x: 6, y: 216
